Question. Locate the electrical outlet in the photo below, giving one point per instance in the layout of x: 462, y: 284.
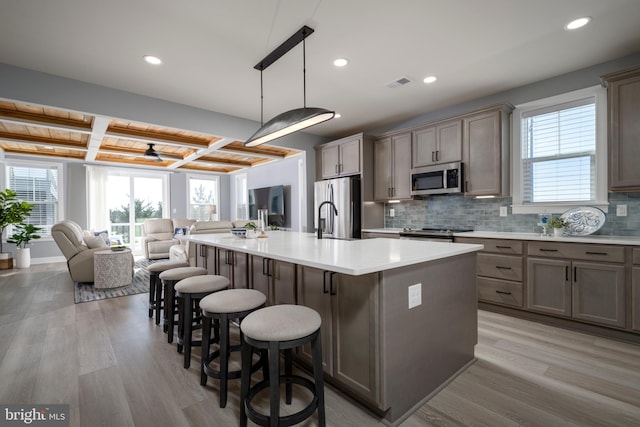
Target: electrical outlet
x: 503, y: 211
x: 392, y: 213
x: 415, y: 295
x: 621, y: 210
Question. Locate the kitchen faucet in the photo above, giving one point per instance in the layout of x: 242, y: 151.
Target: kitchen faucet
x: 319, y: 210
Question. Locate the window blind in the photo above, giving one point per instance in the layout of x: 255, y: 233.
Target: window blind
x: 39, y: 187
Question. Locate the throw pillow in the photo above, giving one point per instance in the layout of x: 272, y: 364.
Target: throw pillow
x: 104, y: 235
x: 180, y: 231
x: 92, y: 241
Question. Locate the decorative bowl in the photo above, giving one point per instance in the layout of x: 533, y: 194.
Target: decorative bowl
x: 239, y: 232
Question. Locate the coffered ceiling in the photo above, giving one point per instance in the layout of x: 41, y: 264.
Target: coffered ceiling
x: 209, y: 49
x: 50, y: 132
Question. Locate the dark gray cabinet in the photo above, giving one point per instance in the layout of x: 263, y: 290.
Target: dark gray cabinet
x: 234, y: 266
x: 635, y: 290
x: 206, y: 258
x: 439, y: 143
x: 276, y: 279
x: 348, y: 306
x: 392, y: 164
x: 341, y: 158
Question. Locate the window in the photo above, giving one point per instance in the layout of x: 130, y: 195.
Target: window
x: 559, y: 158
x: 242, y: 196
x: 38, y: 184
x: 203, y: 198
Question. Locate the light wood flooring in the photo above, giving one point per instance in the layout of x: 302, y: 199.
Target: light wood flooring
x: 112, y: 364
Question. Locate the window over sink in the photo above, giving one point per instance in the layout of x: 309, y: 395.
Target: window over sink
x: 560, y: 152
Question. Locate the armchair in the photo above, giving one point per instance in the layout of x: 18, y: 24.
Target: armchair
x: 159, y: 235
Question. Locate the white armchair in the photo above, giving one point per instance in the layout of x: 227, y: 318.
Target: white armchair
x: 159, y: 235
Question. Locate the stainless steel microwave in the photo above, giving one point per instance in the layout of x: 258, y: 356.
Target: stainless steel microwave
x: 437, y: 179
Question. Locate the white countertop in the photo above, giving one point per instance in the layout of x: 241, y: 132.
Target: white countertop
x: 382, y: 230
x: 354, y: 257
x: 605, y: 240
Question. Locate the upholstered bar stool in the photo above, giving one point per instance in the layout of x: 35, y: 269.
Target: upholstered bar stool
x: 169, y: 278
x: 189, y: 292
x: 276, y: 328
x: 155, y: 285
x: 222, y: 307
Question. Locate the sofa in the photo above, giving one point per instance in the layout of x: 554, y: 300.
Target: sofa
x: 159, y: 234
x: 74, y: 245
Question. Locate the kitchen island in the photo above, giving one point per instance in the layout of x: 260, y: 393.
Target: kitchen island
x: 399, y: 317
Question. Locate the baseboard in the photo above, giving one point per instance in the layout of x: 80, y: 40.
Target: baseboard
x: 45, y: 260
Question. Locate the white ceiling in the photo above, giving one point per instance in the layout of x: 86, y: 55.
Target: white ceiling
x: 209, y: 48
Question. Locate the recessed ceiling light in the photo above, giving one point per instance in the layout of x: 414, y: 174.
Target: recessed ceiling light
x: 154, y: 60
x: 340, y: 62
x: 578, y: 23
x: 430, y: 79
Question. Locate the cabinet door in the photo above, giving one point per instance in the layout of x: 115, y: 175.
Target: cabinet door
x: 239, y: 266
x: 283, y: 275
x: 350, y: 157
x: 599, y: 293
x: 635, y: 299
x: 382, y: 169
x: 424, y: 147
x: 482, y: 150
x: 449, y: 136
x: 356, y: 332
x: 313, y: 292
x: 330, y: 161
x: 401, y: 188
x: 225, y: 268
x: 259, y: 275
x: 549, y: 286
x: 624, y: 129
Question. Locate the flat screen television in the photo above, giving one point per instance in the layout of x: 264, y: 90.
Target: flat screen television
x: 272, y: 199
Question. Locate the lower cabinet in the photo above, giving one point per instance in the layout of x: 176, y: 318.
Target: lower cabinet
x: 635, y: 290
x: 276, y: 279
x: 233, y: 265
x: 205, y: 257
x: 589, y: 291
x: 349, y: 331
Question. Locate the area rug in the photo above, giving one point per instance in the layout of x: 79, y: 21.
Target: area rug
x: 84, y: 292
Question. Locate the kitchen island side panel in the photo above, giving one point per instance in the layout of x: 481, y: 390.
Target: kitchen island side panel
x: 423, y: 348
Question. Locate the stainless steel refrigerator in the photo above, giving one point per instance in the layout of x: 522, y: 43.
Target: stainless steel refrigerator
x: 344, y: 193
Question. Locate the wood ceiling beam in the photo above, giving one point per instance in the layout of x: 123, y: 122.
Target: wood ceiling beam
x: 252, y: 152
x: 31, y: 119
x: 155, y: 138
x: 39, y: 140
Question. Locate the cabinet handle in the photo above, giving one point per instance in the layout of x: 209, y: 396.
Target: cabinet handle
x: 331, y: 290
x: 324, y: 282
x: 433, y: 156
x: 437, y: 155
x: 265, y: 268
x: 503, y: 293
x: 596, y: 253
x: 502, y: 267
x: 393, y: 191
x: 548, y: 250
x: 503, y: 247
x: 466, y: 186
x: 575, y: 275
x: 566, y: 273
x: 336, y: 168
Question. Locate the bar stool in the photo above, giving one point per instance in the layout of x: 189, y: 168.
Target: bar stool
x: 189, y: 292
x: 222, y: 307
x: 275, y: 328
x: 169, y: 279
x: 155, y: 285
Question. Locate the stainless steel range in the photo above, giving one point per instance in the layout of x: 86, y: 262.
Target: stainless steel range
x: 431, y: 234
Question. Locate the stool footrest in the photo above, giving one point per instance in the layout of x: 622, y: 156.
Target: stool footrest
x: 286, y: 420
x: 214, y: 373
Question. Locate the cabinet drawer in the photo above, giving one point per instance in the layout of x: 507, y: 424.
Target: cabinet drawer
x: 587, y: 252
x: 636, y: 255
x: 499, y: 266
x: 506, y: 246
x: 500, y: 291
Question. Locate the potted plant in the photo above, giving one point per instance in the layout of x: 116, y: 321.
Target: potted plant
x: 12, y: 211
x: 558, y: 224
x: 23, y: 235
x: 251, y: 230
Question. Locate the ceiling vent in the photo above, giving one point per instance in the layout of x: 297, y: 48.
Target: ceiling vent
x: 398, y: 82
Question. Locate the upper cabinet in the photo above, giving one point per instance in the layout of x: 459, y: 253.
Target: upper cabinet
x: 485, y: 151
x: 439, y: 143
x: 342, y: 157
x: 624, y: 129
x: 392, y: 161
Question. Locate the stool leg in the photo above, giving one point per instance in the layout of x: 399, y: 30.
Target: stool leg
x: 206, y: 335
x: 187, y: 330
x: 224, y: 359
x: 288, y: 371
x: 182, y: 315
x: 152, y: 294
x: 158, y: 288
x: 245, y: 380
x: 274, y: 383
x: 169, y: 308
x: 316, y: 349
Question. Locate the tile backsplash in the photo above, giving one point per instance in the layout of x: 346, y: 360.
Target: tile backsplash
x: 457, y: 211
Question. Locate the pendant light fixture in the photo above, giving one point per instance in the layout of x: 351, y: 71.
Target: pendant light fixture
x: 293, y: 120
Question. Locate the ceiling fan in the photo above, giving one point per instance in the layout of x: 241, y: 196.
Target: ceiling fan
x: 152, y: 154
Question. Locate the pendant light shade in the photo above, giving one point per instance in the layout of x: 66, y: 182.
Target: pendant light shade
x: 293, y: 120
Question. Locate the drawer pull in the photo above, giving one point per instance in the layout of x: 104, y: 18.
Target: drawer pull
x: 502, y: 267
x: 503, y: 293
x: 596, y: 253
x: 548, y: 250
x: 503, y: 247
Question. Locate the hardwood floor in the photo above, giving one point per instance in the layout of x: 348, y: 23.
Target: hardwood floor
x: 113, y: 366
